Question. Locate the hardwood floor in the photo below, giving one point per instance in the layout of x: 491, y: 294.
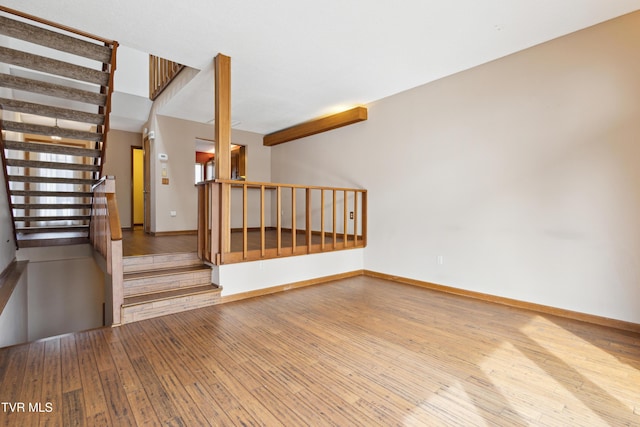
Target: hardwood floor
x: 136, y: 242
x: 359, y: 351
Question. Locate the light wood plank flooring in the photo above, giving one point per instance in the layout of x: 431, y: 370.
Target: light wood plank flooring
x: 355, y: 352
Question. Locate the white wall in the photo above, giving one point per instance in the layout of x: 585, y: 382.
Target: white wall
x: 521, y: 173
x: 65, y: 290
x: 249, y: 276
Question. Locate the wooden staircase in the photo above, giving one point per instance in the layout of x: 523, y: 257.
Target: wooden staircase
x: 160, y: 284
x: 55, y: 118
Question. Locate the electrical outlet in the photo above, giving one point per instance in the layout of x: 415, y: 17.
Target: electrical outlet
x: 440, y: 260
x: 173, y: 213
x: 351, y: 215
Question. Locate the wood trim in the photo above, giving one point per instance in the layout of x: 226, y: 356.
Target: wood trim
x: 173, y: 233
x: 312, y: 127
x: 544, y: 309
x: 289, y: 286
x: 9, y: 278
x: 275, y: 185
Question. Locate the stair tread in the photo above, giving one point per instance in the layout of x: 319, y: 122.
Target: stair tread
x: 38, y: 193
x: 53, y: 66
x: 51, y: 241
x: 52, y: 229
x: 165, y: 295
x: 51, y: 206
x: 54, y: 39
x: 52, y: 218
x: 49, y: 89
x: 50, y: 147
x: 51, y: 180
x: 52, y: 165
x: 165, y: 272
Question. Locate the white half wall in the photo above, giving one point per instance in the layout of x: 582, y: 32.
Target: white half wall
x: 522, y: 174
x: 250, y: 276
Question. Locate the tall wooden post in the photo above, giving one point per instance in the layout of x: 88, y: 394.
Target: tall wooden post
x: 222, y: 119
x: 223, y: 116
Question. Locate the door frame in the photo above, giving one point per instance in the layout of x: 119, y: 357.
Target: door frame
x: 133, y: 194
x: 146, y: 147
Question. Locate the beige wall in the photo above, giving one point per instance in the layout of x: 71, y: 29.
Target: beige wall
x: 65, y: 290
x: 521, y: 173
x: 176, y: 138
x: 7, y: 242
x: 118, y: 164
x: 14, y: 317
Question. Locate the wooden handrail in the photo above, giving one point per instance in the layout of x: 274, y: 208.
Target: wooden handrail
x: 105, y: 219
x: 217, y: 245
x: 274, y: 185
x: 104, y: 129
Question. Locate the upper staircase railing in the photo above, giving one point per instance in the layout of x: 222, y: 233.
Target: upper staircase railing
x: 161, y: 73
x: 248, y: 221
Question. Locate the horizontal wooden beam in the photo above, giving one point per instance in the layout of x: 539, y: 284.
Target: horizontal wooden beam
x: 313, y: 127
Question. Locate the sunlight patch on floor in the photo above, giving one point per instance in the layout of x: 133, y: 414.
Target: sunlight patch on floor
x: 584, y: 366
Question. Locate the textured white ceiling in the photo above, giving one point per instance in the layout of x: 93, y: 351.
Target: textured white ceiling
x: 293, y: 60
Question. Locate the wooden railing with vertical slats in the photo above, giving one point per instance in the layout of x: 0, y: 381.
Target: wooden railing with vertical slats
x: 247, y: 221
x: 161, y: 73
x: 106, y: 238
